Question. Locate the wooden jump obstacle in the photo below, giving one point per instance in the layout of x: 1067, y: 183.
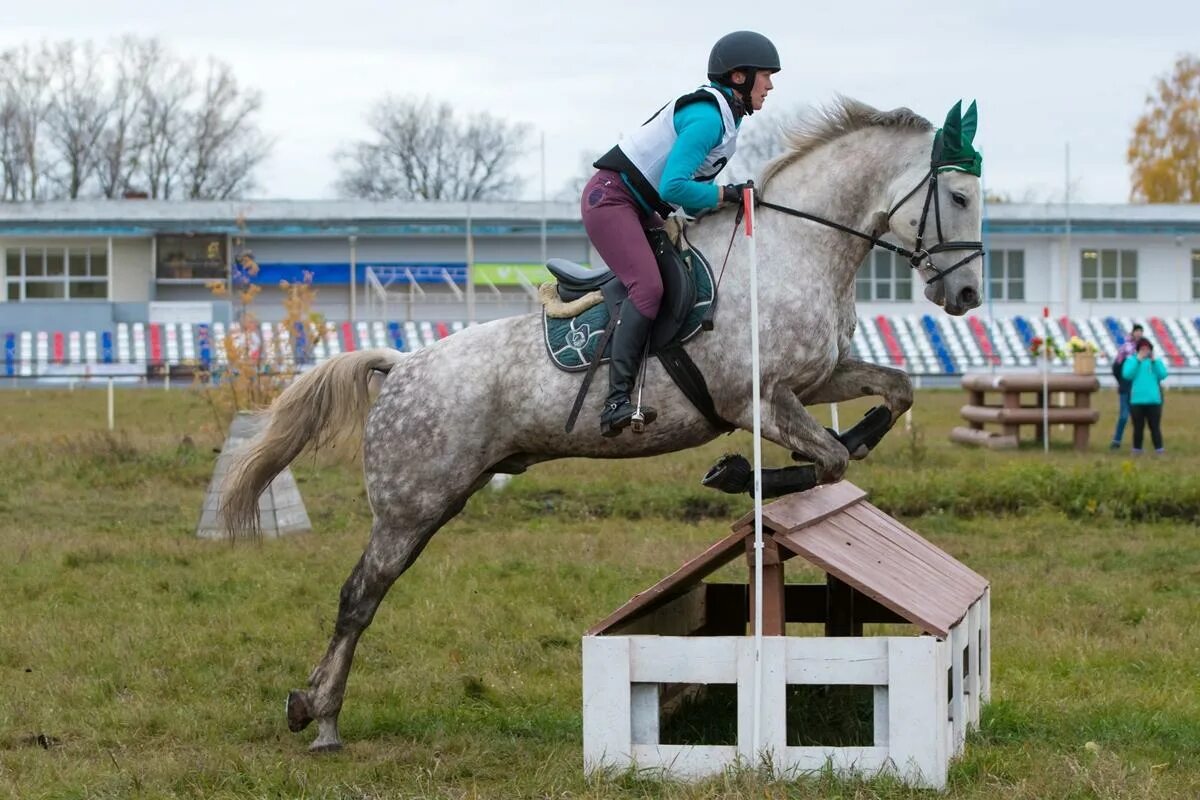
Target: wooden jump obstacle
x: 1011, y: 414
x: 926, y: 689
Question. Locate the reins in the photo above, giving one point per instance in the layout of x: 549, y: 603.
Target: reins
x: 920, y: 257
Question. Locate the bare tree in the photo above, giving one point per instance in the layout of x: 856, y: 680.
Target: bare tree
x: 121, y: 145
x: 77, y: 121
x: 12, y: 165
x: 25, y: 104
x: 421, y: 151
x: 224, y: 148
x: 162, y: 126
x: 78, y: 113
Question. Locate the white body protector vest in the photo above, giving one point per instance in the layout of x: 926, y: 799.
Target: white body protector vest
x: 646, y: 149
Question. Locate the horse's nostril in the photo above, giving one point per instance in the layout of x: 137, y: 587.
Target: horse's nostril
x: 968, y: 297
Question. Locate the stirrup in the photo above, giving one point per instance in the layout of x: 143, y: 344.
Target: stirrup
x: 616, y: 417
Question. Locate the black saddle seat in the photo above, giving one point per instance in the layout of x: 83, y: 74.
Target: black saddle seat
x: 574, y: 281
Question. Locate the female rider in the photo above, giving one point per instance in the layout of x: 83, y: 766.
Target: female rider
x: 671, y: 162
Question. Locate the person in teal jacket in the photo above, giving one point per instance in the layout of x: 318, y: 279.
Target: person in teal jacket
x: 1145, y: 373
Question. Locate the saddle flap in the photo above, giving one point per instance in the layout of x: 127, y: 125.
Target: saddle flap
x: 689, y: 290
x: 679, y: 289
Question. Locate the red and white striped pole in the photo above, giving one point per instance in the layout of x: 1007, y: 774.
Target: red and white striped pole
x: 748, y: 209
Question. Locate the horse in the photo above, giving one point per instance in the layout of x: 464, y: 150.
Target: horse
x: 482, y: 402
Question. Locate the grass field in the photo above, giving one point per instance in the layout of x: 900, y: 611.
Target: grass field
x: 137, y: 661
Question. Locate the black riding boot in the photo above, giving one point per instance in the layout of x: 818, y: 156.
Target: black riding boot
x: 628, y: 346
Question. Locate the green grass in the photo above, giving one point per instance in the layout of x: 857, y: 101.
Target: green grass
x: 137, y: 661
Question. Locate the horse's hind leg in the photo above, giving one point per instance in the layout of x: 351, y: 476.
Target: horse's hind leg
x: 393, y: 547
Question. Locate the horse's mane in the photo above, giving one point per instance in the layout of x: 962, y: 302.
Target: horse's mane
x: 825, y: 124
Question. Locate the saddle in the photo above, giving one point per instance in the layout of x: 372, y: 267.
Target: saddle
x: 590, y: 298
x: 583, y: 305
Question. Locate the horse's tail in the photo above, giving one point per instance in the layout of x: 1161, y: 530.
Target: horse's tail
x: 326, y: 404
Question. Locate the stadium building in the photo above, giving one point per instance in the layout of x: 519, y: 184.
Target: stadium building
x: 119, y: 285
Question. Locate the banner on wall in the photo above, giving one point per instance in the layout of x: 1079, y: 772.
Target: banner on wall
x: 196, y: 312
x: 501, y: 274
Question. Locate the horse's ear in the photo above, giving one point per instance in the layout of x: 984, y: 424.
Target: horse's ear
x: 952, y: 128
x: 970, y: 123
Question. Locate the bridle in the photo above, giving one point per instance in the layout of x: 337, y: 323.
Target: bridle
x: 921, y: 255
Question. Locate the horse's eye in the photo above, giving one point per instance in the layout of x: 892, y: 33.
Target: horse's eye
x: 959, y: 198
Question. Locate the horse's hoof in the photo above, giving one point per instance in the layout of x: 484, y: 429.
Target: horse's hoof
x: 324, y: 747
x: 298, y: 714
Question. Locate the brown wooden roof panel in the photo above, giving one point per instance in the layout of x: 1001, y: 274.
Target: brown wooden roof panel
x: 675, y: 584
x: 794, y: 511
x: 953, y: 572
x: 891, y: 577
x: 891, y: 564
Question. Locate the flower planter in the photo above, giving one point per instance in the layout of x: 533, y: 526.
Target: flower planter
x: 1085, y: 363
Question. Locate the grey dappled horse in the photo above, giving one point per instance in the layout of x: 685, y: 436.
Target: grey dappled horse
x: 488, y: 400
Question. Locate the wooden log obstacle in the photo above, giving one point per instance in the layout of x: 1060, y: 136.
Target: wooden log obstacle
x: 1011, y: 414
x: 923, y: 690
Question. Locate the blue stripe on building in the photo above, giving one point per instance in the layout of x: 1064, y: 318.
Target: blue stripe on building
x: 338, y: 274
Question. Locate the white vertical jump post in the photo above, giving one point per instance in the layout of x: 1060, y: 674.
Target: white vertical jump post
x: 748, y: 210
x: 1046, y: 379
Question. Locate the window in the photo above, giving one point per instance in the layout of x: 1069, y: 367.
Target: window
x: 195, y: 258
x: 1006, y: 274
x: 1108, y: 275
x: 73, y: 272
x: 883, y: 276
x: 1196, y: 274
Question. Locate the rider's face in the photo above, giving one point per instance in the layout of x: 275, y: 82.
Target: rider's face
x: 758, y: 92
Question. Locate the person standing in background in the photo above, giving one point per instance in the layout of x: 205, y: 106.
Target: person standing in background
x: 1127, y: 348
x: 1144, y: 373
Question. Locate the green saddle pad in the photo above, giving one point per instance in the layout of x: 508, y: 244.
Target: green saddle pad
x: 572, y: 341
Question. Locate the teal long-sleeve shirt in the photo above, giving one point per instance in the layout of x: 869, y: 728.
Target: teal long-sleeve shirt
x: 699, y: 129
x: 1144, y: 374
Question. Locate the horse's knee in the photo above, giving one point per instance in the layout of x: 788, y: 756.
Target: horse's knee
x: 832, y: 463
x: 899, y: 396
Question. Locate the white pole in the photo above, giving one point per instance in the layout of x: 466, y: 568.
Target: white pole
x: 833, y: 418
x: 353, y: 279
x: 1046, y: 380
x: 111, y: 420
x: 756, y: 739
x: 470, y: 270
x: 543, y: 197
x: 1066, y: 273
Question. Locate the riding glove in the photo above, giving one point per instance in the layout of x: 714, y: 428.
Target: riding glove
x: 732, y: 192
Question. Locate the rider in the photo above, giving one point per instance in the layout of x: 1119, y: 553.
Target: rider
x: 671, y: 162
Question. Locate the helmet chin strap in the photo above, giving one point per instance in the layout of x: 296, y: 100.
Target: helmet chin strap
x: 743, y: 106
x: 744, y: 91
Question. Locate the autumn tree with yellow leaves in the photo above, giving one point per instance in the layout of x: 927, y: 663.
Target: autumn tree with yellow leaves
x: 254, y: 371
x: 1164, y: 152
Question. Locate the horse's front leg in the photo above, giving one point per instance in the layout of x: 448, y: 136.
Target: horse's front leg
x: 852, y: 379
x: 786, y: 422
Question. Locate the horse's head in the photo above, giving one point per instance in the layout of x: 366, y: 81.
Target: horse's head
x: 941, y: 218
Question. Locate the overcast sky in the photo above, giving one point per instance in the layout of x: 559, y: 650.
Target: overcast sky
x: 1045, y: 73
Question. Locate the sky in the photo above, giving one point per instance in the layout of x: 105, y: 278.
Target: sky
x: 1049, y: 76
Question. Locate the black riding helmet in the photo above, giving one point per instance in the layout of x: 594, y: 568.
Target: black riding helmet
x: 744, y: 51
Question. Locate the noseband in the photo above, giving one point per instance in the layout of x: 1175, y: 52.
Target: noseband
x: 921, y: 255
